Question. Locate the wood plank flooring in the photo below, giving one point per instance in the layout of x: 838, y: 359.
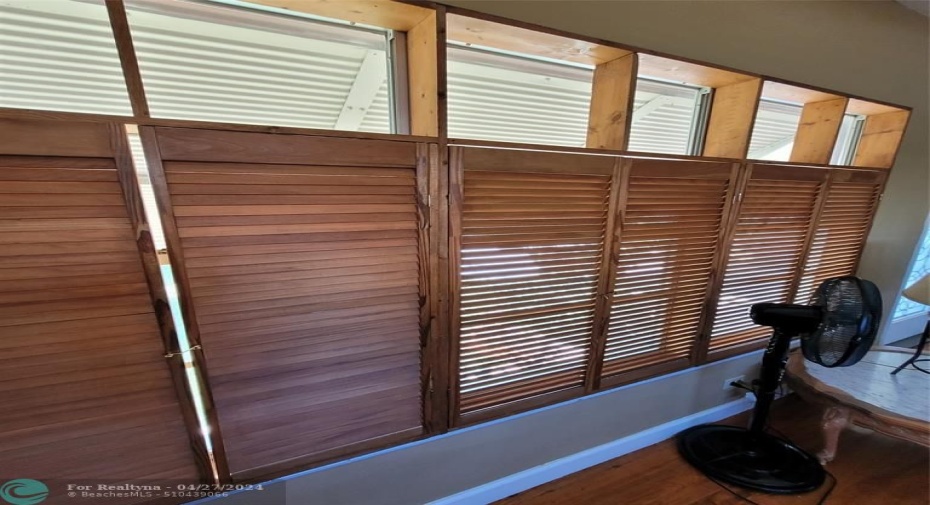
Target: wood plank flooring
x: 871, y: 469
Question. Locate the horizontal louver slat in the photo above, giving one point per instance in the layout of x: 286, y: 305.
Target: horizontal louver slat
x: 668, y: 234
x: 531, y: 249
x: 839, y: 235
x: 766, y: 248
x: 304, y: 279
x: 215, y: 63
x: 83, y: 375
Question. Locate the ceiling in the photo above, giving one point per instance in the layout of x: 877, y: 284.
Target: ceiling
x: 921, y: 6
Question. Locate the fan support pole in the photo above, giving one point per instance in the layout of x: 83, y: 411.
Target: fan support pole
x: 770, y: 376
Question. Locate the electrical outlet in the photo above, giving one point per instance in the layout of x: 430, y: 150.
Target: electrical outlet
x: 728, y: 384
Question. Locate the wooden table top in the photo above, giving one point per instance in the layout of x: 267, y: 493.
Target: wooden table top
x: 868, y: 387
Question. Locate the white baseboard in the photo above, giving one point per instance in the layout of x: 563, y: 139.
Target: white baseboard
x: 512, y: 484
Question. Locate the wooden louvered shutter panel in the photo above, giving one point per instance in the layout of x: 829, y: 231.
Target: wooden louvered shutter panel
x: 531, y: 245
x: 764, y: 255
x: 300, y: 259
x: 672, y: 216
x: 842, y: 227
x: 86, y: 389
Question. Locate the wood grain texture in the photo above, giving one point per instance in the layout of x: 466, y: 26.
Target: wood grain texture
x: 610, y: 114
x: 433, y: 319
x: 817, y: 131
x: 531, y: 247
x: 538, y: 162
x: 423, y: 49
x: 880, y: 140
x: 765, y: 249
x: 619, y: 190
x: 669, y: 234
x: 483, y: 32
x: 130, y: 121
x: 731, y: 118
x: 651, y: 65
x: 795, y: 94
x: 840, y: 228
x: 36, y: 137
x: 221, y: 146
x: 83, y: 360
x: 870, y: 468
x: 384, y: 13
x: 122, y: 36
x: 896, y: 405
x: 206, y: 462
x: 870, y: 108
x: 313, y: 309
x: 456, y: 171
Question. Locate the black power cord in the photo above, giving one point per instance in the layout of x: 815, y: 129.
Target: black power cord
x: 821, y: 501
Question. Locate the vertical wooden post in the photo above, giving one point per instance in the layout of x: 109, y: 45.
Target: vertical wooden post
x: 739, y: 180
x: 426, y: 44
x: 607, y: 275
x: 880, y: 183
x: 176, y: 257
x: 817, y: 131
x: 816, y: 212
x: 732, y: 114
x: 131, y: 193
x: 610, y: 114
x: 456, y: 185
x: 434, y: 306
x: 127, y: 57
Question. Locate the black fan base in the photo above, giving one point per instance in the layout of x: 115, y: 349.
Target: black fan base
x: 762, y: 462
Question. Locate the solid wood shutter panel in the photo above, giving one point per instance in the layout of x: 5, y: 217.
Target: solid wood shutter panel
x: 842, y: 228
x: 302, y: 262
x: 86, y: 390
x: 531, y: 245
x: 773, y: 223
x: 672, y: 215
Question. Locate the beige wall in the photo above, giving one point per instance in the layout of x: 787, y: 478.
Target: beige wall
x: 875, y: 49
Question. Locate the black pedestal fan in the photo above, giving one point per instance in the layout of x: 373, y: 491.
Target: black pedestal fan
x: 837, y: 328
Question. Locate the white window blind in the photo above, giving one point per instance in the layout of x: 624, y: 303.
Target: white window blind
x: 219, y: 63
x: 532, y: 101
x: 664, y: 117
x: 543, y: 102
x: 60, y: 55
x: 774, y: 131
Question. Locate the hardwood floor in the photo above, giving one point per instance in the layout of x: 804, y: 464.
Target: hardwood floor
x: 871, y: 469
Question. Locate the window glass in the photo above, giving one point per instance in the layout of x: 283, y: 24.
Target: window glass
x: 846, y: 140
x: 509, y: 98
x: 920, y: 268
x: 60, y: 55
x: 663, y: 117
x: 774, y: 131
x: 220, y: 63
x: 145, y: 189
x: 514, y: 99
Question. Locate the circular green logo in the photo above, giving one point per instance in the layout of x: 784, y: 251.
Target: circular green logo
x: 24, y: 492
